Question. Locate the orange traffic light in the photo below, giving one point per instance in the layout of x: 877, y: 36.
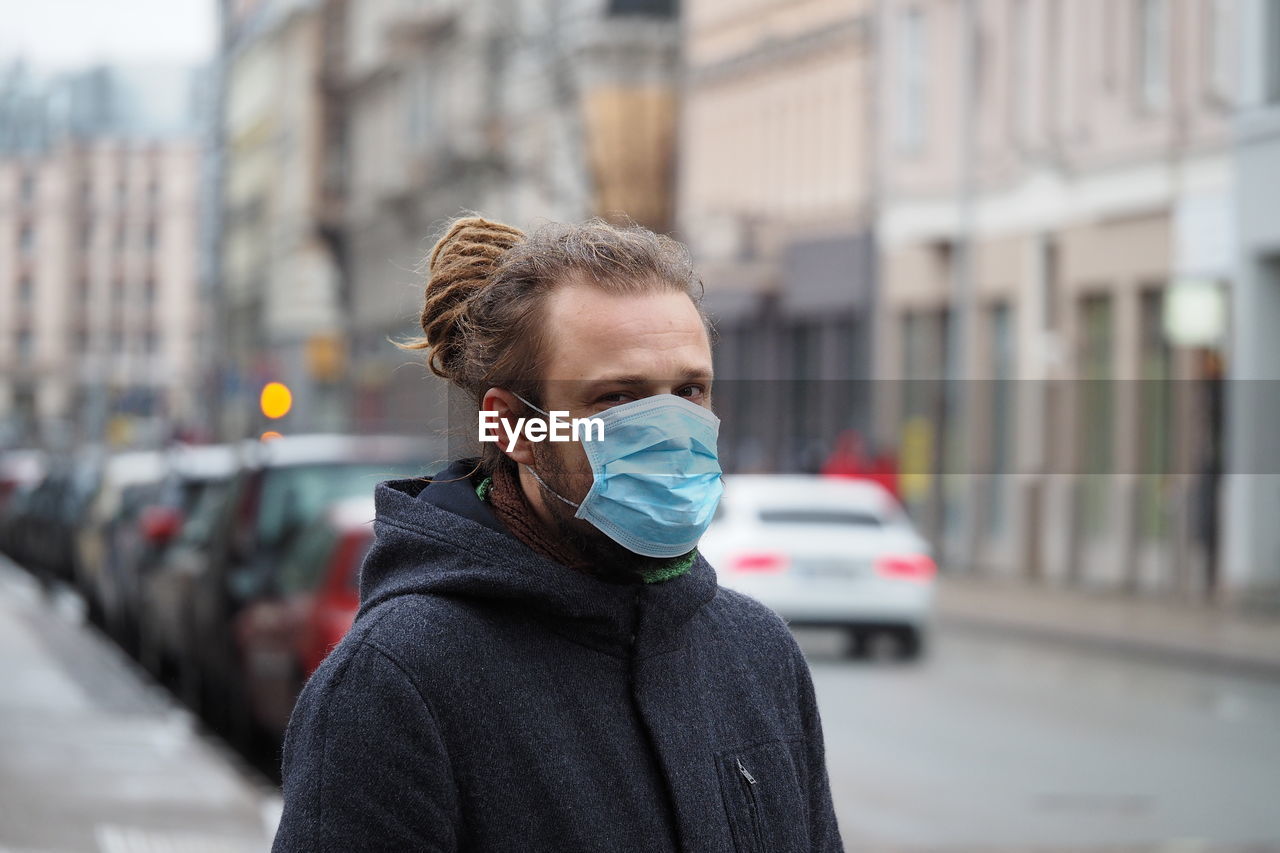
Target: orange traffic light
x: 276, y: 400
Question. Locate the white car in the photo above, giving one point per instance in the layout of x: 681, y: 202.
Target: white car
x: 825, y: 551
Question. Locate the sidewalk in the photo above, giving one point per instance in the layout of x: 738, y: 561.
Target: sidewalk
x: 94, y: 757
x: 1179, y: 633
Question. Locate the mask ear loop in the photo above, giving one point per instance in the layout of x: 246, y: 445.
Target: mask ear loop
x: 553, y: 492
x: 530, y: 405
x: 529, y: 468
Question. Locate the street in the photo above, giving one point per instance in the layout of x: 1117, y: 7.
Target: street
x: 996, y: 744
x: 991, y: 744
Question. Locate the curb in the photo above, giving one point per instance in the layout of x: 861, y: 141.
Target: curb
x: 1151, y: 650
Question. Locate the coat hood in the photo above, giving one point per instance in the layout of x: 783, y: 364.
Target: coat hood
x: 436, y: 537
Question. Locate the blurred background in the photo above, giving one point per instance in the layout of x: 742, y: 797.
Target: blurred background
x: 1007, y: 272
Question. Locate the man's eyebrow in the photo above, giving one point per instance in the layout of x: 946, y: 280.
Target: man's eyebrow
x: 636, y: 381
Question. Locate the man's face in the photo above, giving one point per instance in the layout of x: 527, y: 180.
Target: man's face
x: 606, y: 350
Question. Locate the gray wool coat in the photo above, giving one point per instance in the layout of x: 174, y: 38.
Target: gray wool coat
x: 488, y: 699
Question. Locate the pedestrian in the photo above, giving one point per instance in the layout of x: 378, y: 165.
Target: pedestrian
x: 542, y: 660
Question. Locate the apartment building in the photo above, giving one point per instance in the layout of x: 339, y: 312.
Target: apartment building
x: 1251, y: 560
x: 100, y: 308
x: 281, y: 291
x: 1056, y: 178
x: 776, y: 200
x: 522, y: 110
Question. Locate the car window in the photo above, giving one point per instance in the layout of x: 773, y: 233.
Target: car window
x: 357, y: 561
x: 203, y: 517
x: 304, y: 563
x: 294, y: 496
x: 832, y: 517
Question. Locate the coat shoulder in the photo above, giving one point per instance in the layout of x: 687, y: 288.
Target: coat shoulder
x: 747, y: 616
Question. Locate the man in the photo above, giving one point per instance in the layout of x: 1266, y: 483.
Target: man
x: 542, y: 660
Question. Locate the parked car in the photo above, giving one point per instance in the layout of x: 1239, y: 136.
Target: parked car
x: 167, y: 587
x: 304, y: 606
x: 153, y: 514
x: 19, y: 469
x: 825, y: 552
x: 55, y: 512
x: 129, y: 480
x: 20, y: 472
x: 285, y: 484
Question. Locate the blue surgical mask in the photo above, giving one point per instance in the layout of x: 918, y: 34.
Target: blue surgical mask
x: 656, y: 475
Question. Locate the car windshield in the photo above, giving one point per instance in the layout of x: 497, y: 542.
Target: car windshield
x: 824, y: 516
x: 294, y: 496
x: 207, y: 504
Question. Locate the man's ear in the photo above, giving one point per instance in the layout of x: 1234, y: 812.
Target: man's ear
x: 510, y: 410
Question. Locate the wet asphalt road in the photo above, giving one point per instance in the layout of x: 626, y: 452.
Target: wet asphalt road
x: 988, y: 745
x: 1013, y: 744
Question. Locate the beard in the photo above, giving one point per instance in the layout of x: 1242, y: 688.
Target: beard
x: 608, y: 560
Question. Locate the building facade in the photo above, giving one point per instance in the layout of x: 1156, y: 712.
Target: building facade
x: 280, y: 288
x: 522, y: 110
x: 1054, y: 176
x: 100, y: 309
x: 776, y: 200
x: 1251, y: 560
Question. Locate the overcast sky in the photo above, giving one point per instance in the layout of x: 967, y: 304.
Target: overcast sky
x: 62, y: 34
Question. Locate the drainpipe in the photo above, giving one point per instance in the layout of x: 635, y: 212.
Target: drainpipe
x: 959, y: 540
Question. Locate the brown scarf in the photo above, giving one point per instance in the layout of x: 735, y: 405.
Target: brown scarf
x: 513, y: 509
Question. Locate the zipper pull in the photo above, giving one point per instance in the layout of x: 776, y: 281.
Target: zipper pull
x: 746, y: 774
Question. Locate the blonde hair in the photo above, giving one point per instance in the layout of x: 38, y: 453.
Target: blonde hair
x: 483, y: 316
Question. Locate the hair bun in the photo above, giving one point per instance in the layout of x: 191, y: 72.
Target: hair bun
x: 458, y: 268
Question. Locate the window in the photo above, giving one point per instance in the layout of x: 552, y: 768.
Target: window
x: 26, y: 239
x: 151, y: 236
x: 909, y: 79
x: 1271, y: 51
x: 293, y: 497
x: 209, y: 507
x: 28, y: 187
x: 1022, y: 52
x: 149, y: 291
x: 1000, y: 436
x: 815, y: 515
x: 1223, y: 49
x: 1050, y: 292
x: 1153, y: 54
x: 1097, y: 408
x: 1156, y: 416
x: 120, y: 240
x: 24, y: 290
x: 86, y: 236
x: 25, y: 346
x: 303, y: 566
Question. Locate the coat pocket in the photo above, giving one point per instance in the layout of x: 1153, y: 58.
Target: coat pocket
x: 764, y: 798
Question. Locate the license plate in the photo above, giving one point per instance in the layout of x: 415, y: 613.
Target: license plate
x: 829, y: 569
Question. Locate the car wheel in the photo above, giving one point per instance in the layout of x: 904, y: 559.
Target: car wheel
x: 911, y: 644
x: 859, y: 644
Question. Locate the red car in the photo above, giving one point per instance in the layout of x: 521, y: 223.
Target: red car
x: 306, y: 608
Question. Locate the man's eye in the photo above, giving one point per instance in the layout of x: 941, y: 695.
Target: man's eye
x: 691, y: 391
x: 613, y: 399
